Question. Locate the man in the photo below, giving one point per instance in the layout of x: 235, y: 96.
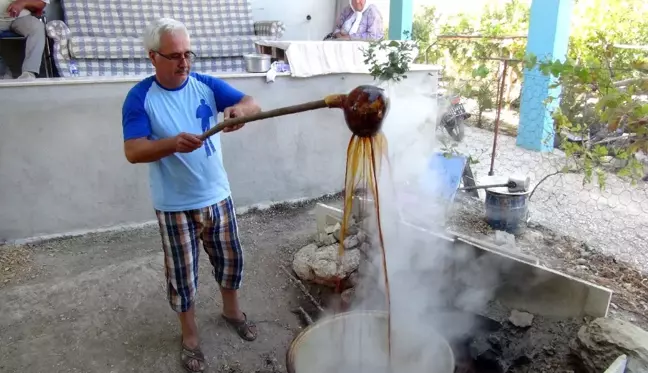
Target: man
x: 18, y: 16
x: 162, y: 118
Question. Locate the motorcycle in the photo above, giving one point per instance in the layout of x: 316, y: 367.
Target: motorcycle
x: 453, y: 115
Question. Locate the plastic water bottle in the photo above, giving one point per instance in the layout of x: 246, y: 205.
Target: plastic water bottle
x: 74, y: 69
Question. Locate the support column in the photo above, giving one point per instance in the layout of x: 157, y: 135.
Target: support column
x: 400, y: 18
x: 548, y: 38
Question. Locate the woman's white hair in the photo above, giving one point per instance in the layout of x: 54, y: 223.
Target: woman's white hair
x: 159, y: 27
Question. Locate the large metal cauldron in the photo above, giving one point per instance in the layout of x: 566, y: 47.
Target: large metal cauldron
x: 356, y: 342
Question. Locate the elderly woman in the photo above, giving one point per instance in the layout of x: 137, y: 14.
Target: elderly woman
x: 360, y: 20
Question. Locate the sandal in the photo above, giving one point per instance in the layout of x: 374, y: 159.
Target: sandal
x: 188, y: 355
x: 244, y: 328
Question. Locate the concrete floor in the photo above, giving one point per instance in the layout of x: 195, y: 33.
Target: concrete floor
x: 97, y: 303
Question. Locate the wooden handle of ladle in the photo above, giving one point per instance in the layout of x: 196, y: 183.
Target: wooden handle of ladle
x: 333, y: 101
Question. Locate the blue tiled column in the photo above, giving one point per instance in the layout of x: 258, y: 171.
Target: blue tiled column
x: 548, y: 38
x: 400, y: 18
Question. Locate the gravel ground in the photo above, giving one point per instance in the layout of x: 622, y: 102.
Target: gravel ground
x: 613, y: 221
x: 97, y: 303
x: 566, y: 254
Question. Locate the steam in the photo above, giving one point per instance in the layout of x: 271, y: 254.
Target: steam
x: 434, y: 286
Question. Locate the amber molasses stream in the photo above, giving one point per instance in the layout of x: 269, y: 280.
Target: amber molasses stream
x: 365, y: 108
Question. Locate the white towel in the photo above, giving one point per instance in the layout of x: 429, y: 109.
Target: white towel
x: 311, y: 58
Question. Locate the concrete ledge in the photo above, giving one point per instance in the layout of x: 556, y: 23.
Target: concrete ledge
x: 494, y: 248
x: 524, y: 284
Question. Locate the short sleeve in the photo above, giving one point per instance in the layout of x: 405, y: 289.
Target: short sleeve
x: 224, y: 94
x: 135, y: 120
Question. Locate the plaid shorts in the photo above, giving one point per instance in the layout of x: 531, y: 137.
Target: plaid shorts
x: 181, y: 231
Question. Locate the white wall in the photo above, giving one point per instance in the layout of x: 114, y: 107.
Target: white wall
x: 294, y: 14
x: 63, y: 167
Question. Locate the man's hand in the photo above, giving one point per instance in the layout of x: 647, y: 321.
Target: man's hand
x: 15, y: 8
x: 187, y: 142
x: 233, y: 112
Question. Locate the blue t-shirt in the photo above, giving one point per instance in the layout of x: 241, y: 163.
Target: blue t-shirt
x: 182, y: 181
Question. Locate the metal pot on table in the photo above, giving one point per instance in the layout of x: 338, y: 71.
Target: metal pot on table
x: 257, y: 62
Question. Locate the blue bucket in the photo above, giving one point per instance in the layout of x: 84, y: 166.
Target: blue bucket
x: 507, y: 212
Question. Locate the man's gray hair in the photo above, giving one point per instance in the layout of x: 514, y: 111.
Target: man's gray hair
x: 159, y: 27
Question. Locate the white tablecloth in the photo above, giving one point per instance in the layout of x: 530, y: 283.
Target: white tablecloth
x: 311, y: 58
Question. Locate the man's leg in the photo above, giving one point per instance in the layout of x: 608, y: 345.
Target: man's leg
x: 5, y: 72
x: 221, y: 242
x: 179, y: 231
x: 34, y: 30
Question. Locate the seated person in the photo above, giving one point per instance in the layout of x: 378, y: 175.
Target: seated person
x: 359, y: 21
x: 18, y: 16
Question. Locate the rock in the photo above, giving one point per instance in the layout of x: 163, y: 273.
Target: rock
x: 602, y: 341
x: 521, y: 319
x: 329, y: 240
x: 504, y: 239
x: 320, y: 264
x: 365, y: 248
x: 347, y: 297
x: 301, y: 265
x: 619, y: 365
x: 354, y: 279
x: 486, y: 352
x: 331, y: 229
x: 362, y: 236
x: 534, y: 237
x: 337, y: 232
x: 325, y: 239
x: 351, y: 242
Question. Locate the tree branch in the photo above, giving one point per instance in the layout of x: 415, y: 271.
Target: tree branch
x: 632, y: 81
x: 469, y: 37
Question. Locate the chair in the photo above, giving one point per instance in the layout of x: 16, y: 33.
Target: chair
x: 10, y: 35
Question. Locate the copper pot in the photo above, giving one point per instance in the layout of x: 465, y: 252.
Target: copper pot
x: 365, y: 109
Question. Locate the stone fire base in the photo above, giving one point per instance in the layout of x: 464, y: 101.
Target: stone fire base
x: 535, y: 289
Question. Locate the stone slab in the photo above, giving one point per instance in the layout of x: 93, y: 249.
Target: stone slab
x: 526, y: 285
x: 619, y: 365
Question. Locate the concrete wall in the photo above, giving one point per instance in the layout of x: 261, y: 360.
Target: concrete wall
x: 63, y: 169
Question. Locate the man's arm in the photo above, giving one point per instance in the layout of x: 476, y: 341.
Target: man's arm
x: 34, y: 6
x: 229, y: 100
x: 143, y: 150
x: 245, y: 106
x: 136, y: 126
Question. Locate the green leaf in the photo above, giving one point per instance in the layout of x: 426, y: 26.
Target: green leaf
x: 480, y: 72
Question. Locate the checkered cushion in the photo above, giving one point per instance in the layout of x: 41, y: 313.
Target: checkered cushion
x: 83, y: 47
x: 103, y: 37
x: 129, y: 18
x: 121, y: 67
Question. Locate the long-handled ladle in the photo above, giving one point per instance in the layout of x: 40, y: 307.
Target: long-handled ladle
x: 364, y: 108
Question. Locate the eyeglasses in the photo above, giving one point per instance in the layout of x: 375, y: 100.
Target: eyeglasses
x: 189, y: 56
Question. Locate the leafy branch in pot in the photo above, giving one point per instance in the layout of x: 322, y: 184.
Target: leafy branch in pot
x: 390, y: 59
